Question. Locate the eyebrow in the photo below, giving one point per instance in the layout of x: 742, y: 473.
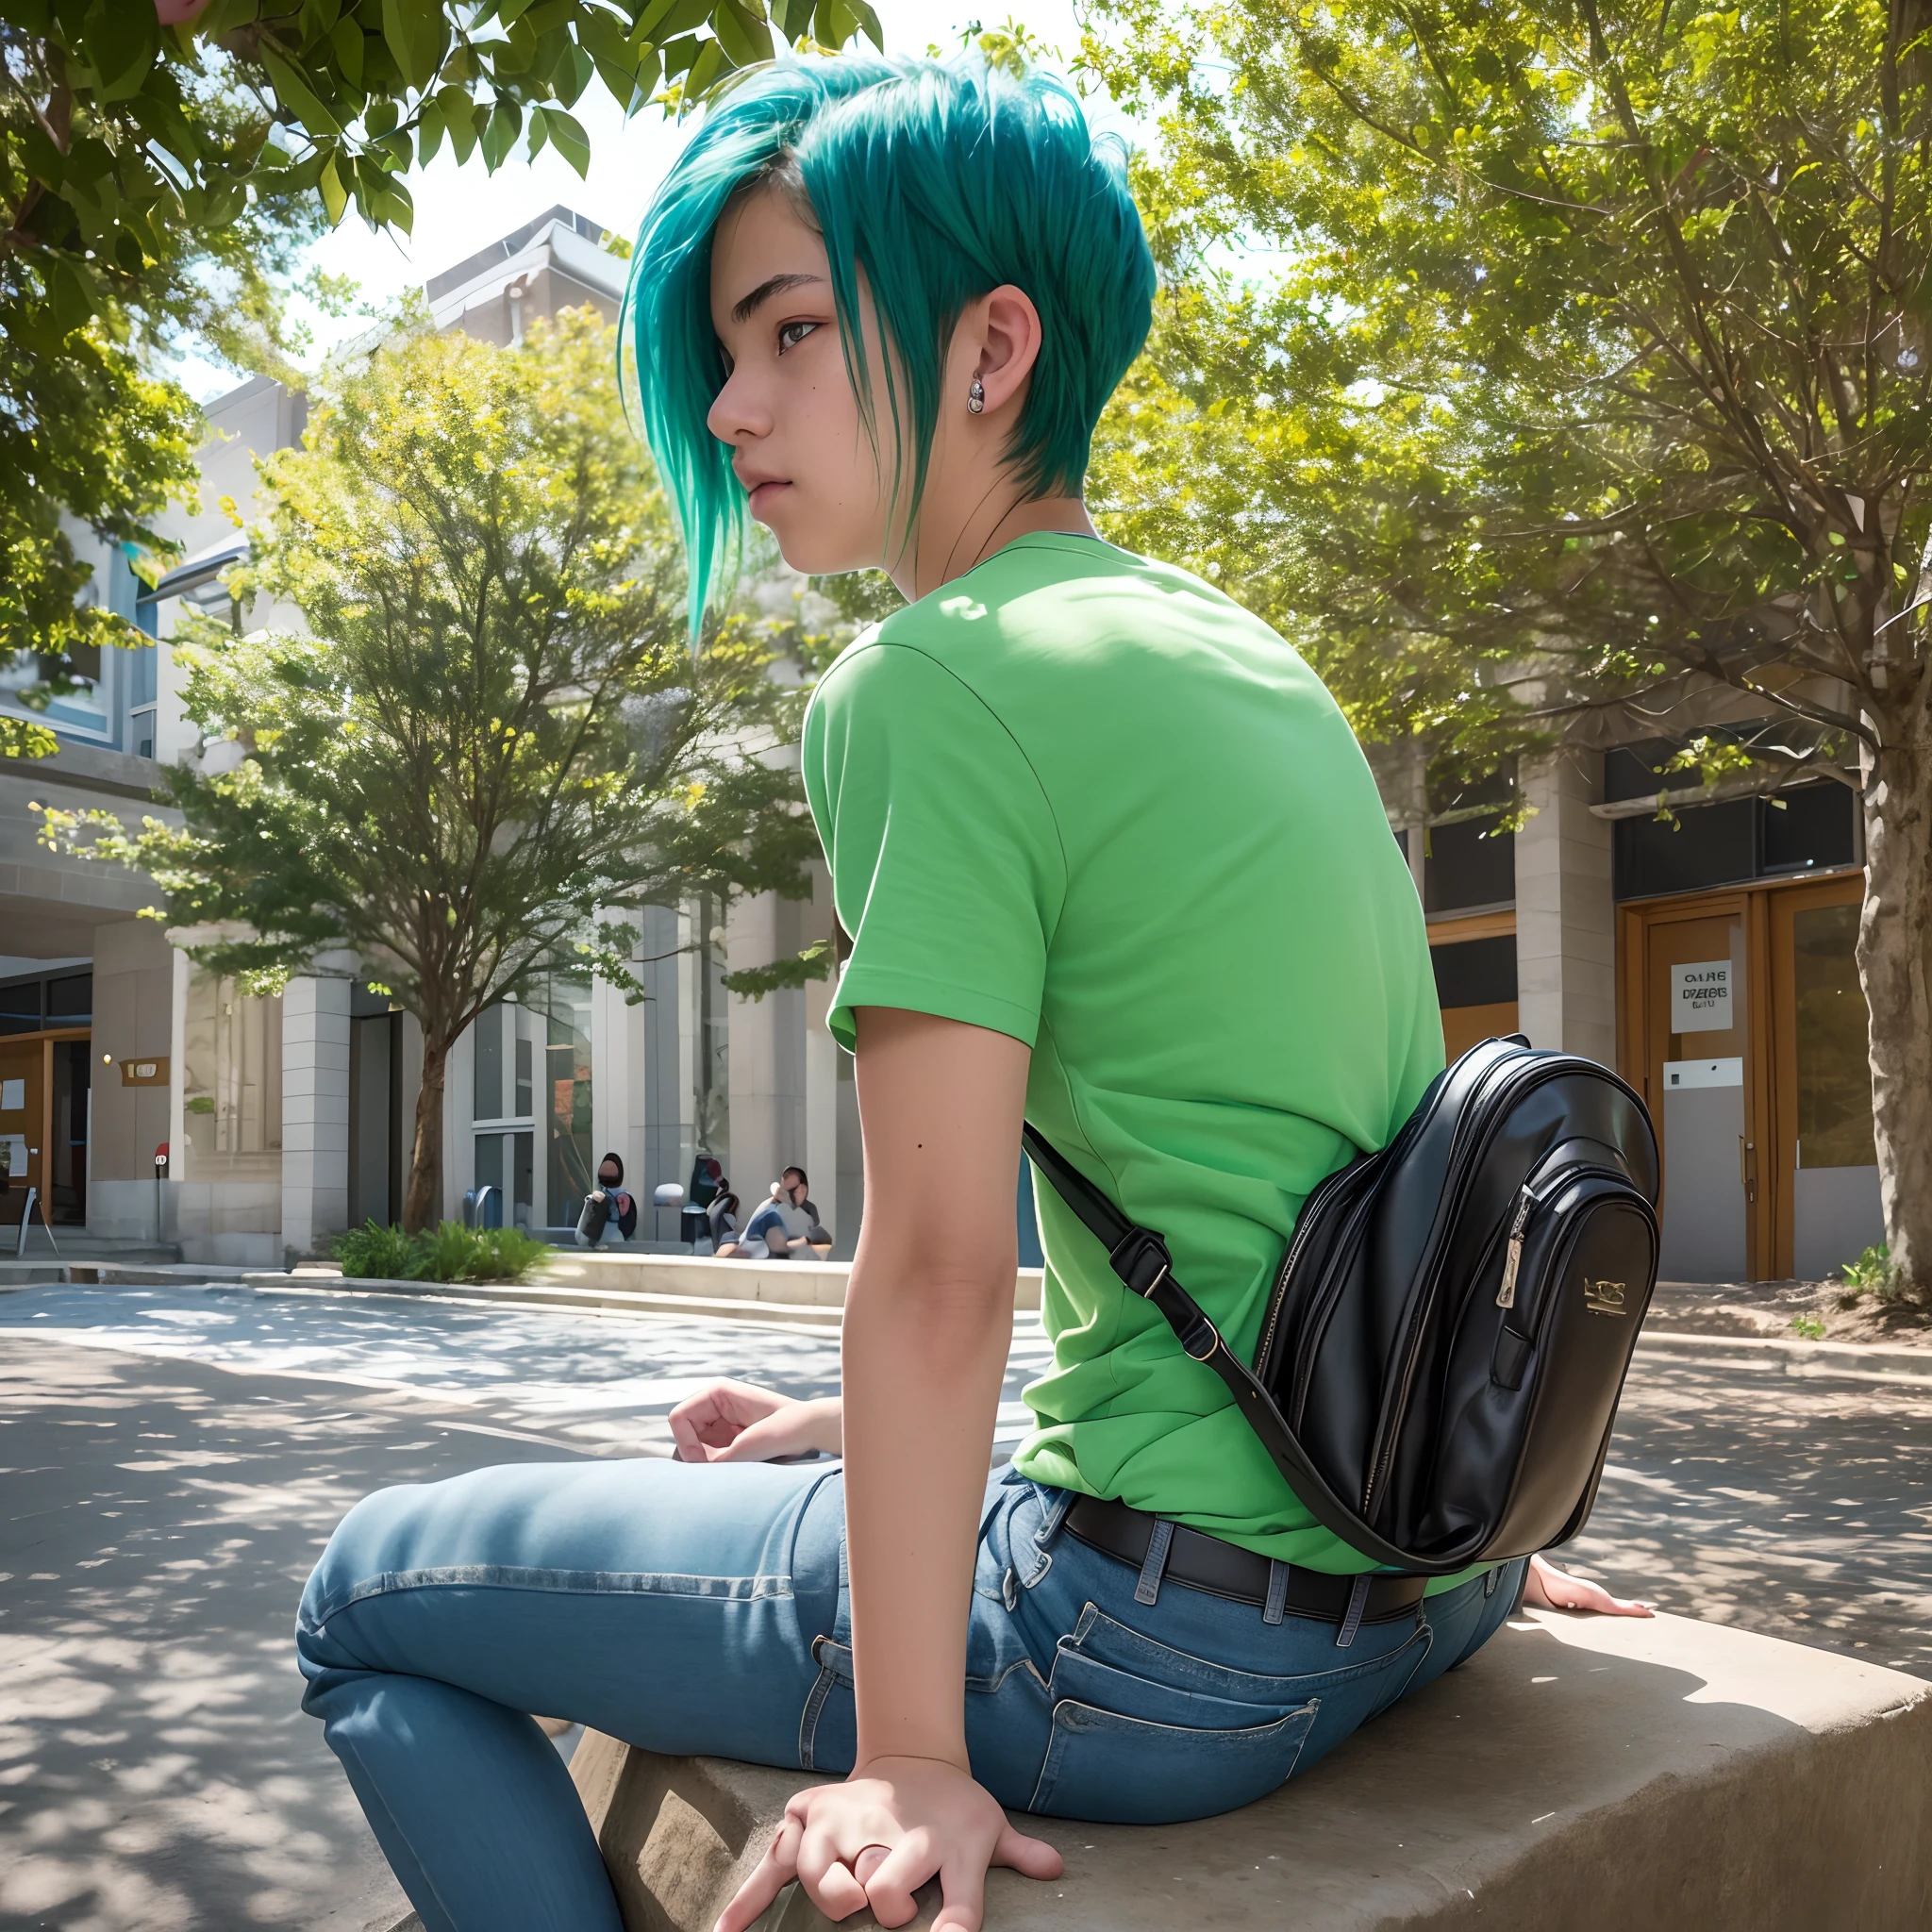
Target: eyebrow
x: 766, y: 289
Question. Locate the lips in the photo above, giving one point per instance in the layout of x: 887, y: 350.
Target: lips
x: 764, y: 493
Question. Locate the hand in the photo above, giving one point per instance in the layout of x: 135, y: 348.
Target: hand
x: 1550, y: 1588
x: 736, y: 1421
x: 878, y: 1838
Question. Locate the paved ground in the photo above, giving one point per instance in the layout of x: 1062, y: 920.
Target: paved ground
x: 171, y: 1459
x: 1800, y: 1509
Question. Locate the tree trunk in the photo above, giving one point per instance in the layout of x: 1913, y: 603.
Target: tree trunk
x: 422, y: 1197
x: 1894, y: 956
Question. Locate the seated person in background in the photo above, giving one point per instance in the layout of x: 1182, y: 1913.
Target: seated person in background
x: 787, y: 1227
x: 607, y: 1206
x: 723, y: 1213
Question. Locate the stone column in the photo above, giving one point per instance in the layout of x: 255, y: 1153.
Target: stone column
x: 1566, y: 944
x: 752, y: 937
x: 821, y: 1156
x: 315, y: 1103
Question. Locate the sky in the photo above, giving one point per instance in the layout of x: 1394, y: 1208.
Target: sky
x: 460, y: 209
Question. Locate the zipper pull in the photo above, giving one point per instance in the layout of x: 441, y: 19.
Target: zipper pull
x: 1506, y: 1295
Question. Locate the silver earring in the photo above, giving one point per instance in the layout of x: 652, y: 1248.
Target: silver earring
x: 976, y: 397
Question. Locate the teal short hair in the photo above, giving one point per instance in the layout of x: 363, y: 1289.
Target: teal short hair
x: 938, y: 180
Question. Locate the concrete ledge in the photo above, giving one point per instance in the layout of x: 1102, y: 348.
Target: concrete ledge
x: 1579, y: 1772
x: 1777, y: 1355
x: 795, y: 1284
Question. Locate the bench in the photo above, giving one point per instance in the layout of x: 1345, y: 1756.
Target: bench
x: 1577, y: 1773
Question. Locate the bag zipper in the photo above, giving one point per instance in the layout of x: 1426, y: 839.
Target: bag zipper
x: 1512, y: 1261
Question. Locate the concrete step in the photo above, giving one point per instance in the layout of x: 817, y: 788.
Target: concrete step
x: 1600, y: 1775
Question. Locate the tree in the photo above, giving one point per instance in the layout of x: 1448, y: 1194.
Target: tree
x: 491, y: 740
x: 126, y: 121
x: 1597, y: 379
x: 163, y: 162
x: 107, y: 264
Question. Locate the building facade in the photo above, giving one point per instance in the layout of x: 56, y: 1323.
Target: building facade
x: 1709, y: 959
x: 145, y: 1100
x: 1710, y: 956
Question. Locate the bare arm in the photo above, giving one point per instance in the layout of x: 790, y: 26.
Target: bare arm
x: 928, y: 1323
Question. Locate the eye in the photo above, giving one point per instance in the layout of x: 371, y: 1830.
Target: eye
x: 792, y: 333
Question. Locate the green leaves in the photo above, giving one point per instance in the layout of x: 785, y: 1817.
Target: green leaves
x: 119, y: 39
x: 416, y: 33
x: 500, y: 132
x: 565, y: 134
x: 1567, y: 378
x: 357, y: 91
x: 295, y: 93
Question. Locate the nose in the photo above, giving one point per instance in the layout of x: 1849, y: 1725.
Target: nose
x: 737, y: 414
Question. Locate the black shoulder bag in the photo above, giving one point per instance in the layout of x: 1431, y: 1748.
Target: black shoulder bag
x: 1448, y: 1334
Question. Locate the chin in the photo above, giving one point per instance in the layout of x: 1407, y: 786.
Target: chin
x: 816, y: 553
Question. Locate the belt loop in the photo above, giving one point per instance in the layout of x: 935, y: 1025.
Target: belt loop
x: 1054, y: 1517
x: 1148, y: 1589
x: 1357, y: 1603
x: 1277, y: 1591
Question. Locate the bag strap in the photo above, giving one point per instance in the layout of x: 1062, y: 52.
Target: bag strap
x: 1139, y: 1257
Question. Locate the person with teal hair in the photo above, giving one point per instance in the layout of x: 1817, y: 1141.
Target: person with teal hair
x: 1104, y: 857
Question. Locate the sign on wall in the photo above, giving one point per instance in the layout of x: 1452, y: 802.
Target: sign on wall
x: 148, y: 1073
x: 1701, y: 997
x: 13, y: 1095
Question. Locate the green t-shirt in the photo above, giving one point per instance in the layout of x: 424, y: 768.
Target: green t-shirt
x: 1088, y: 801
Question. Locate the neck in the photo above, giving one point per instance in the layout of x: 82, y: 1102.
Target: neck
x: 946, y: 547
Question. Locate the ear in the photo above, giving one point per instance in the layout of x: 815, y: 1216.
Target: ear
x: 1007, y: 326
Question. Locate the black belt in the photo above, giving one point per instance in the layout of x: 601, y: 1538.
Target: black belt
x: 1204, y: 1562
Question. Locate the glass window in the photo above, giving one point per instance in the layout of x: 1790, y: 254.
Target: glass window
x: 71, y: 999
x: 1809, y: 828
x: 489, y: 1161
x: 1467, y: 865
x: 1475, y: 972
x: 1834, y: 1062
x: 489, y: 1101
x: 231, y: 1072
x: 522, y: 1175
x: 568, y: 1153
x: 711, y: 1030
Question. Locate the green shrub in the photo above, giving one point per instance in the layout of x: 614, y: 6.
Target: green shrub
x: 1808, y: 1326
x: 449, y: 1252
x: 509, y: 1254
x: 376, y: 1253
x: 1872, y: 1272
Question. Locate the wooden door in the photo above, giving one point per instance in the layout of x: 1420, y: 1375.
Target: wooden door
x: 1695, y: 996
x: 1827, y: 1207
x: 23, y: 1119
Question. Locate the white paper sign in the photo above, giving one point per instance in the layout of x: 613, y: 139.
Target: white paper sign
x: 12, y: 1096
x: 15, y: 1145
x: 1701, y: 997
x: 1682, y: 1073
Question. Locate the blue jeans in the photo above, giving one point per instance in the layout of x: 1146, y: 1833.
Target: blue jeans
x: 690, y: 1608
